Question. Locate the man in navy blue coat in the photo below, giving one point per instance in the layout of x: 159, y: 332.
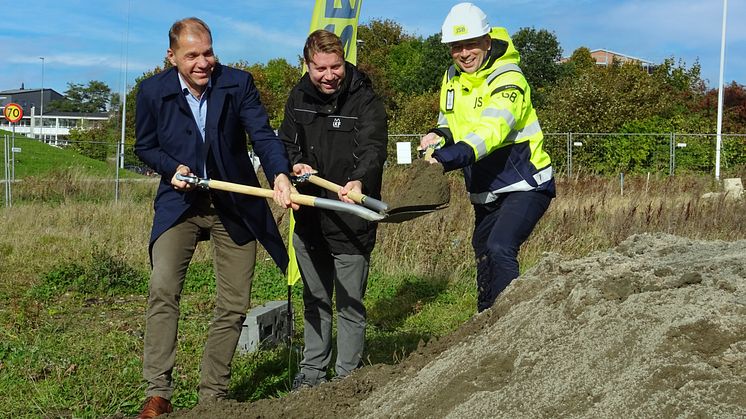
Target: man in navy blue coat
x: 177, y: 134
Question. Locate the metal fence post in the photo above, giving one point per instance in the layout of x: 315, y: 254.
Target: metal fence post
x: 672, y: 154
x: 569, y: 155
x: 6, y: 172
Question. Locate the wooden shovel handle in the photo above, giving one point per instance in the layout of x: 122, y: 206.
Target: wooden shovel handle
x: 297, y: 198
x: 355, y: 196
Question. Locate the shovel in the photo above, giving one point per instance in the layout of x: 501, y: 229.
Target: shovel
x: 393, y: 215
x: 417, y: 202
x: 299, y: 199
x: 362, y: 199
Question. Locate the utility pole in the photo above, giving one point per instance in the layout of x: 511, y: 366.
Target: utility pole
x: 41, y: 113
x: 719, y: 139
x: 120, y: 148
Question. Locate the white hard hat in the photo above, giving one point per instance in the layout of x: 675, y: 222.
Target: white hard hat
x: 464, y: 21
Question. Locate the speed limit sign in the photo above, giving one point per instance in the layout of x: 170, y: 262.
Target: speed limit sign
x: 13, y: 112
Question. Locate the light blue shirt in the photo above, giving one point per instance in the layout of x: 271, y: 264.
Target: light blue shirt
x: 199, y: 110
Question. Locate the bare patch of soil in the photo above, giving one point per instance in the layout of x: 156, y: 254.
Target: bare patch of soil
x: 653, y: 328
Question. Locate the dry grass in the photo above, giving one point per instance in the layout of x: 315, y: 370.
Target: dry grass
x: 588, y: 214
x: 59, y: 350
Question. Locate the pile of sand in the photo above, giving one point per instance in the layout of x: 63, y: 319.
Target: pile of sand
x: 653, y: 328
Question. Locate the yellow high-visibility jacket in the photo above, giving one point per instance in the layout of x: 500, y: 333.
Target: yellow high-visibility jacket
x: 490, y: 128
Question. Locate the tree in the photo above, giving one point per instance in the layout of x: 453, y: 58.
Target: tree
x: 416, y: 66
x: 680, y: 78
x: 129, y: 133
x: 417, y: 113
x: 94, y: 97
x: 274, y: 81
x: 734, y: 107
x: 603, y: 98
x: 579, y: 62
x: 96, y: 142
x: 540, y: 55
x: 403, y: 66
x: 378, y: 38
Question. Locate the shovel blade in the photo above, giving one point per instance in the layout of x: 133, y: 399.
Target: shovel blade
x: 399, y: 215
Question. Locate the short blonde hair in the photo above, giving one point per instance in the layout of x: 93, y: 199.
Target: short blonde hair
x: 324, y: 41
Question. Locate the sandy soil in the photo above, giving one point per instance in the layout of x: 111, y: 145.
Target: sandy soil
x: 653, y: 328
x: 427, y: 186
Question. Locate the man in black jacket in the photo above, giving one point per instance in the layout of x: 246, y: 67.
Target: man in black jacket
x: 334, y: 126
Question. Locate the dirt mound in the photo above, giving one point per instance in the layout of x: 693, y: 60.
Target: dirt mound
x: 426, y: 186
x: 653, y: 328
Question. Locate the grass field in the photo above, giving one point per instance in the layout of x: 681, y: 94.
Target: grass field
x: 74, y: 268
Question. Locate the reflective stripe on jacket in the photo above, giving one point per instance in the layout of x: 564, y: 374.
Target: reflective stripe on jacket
x: 492, y: 127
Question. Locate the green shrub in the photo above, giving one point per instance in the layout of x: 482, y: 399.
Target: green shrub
x: 101, y: 273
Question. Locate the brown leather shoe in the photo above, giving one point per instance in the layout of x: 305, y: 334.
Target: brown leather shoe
x: 155, y: 406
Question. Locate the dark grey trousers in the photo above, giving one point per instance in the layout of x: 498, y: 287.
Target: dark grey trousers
x: 322, y: 273
x: 234, y: 269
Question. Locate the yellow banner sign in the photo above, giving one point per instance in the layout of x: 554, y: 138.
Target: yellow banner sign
x: 340, y: 17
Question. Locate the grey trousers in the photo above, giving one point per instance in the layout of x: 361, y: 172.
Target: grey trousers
x: 322, y: 272
x: 234, y: 269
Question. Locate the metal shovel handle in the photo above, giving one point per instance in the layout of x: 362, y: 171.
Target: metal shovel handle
x: 297, y: 198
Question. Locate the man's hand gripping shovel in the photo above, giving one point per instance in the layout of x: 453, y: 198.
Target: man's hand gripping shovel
x: 299, y: 199
x: 388, y: 215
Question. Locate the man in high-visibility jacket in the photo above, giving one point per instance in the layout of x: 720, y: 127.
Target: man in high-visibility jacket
x: 488, y: 127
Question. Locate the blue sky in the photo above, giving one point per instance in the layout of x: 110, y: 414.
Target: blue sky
x: 84, y: 40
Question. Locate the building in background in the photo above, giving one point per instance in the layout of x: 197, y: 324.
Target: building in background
x: 29, y: 98
x: 56, y: 125
x: 605, y: 57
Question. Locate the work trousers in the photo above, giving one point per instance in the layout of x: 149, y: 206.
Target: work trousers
x: 322, y: 272
x: 234, y: 269
x: 500, y: 228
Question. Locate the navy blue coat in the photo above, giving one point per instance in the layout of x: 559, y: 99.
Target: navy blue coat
x: 168, y: 136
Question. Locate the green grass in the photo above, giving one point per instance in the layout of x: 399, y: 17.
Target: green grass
x: 74, y: 269
x: 39, y: 159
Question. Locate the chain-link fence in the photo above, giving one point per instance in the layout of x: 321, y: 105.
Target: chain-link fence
x: 54, y: 169
x: 577, y: 154
x: 573, y: 155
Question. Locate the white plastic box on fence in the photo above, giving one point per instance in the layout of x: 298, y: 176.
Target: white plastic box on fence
x: 404, y: 152
x: 265, y: 326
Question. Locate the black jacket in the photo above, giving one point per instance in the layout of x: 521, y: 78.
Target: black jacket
x: 343, y: 136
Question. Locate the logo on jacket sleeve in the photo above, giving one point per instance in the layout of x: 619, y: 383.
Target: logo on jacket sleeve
x: 336, y: 123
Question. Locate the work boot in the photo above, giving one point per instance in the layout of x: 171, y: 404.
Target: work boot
x: 300, y: 382
x: 155, y: 406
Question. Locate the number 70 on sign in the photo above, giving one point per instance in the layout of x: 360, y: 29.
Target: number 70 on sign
x: 13, y: 112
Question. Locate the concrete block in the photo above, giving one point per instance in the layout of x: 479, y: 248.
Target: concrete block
x: 265, y: 326
x: 733, y: 187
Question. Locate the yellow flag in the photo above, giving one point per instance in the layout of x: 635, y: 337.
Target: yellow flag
x: 340, y: 17
x: 293, y: 269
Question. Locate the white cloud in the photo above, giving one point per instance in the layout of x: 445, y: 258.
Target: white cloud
x: 77, y: 60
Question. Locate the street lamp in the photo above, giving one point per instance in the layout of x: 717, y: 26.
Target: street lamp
x: 719, y: 139
x: 41, y: 113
